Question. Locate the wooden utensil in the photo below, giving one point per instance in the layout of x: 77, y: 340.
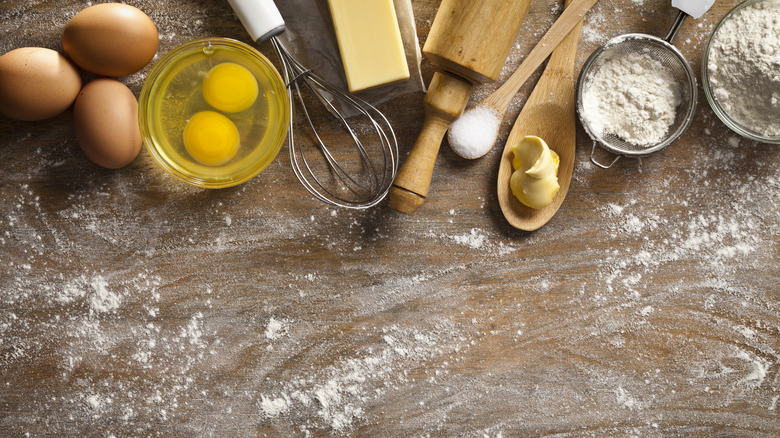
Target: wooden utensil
x: 570, y: 19
x: 468, y: 43
x: 549, y: 114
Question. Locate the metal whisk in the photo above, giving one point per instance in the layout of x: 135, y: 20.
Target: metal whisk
x: 356, y: 174
x: 372, y: 171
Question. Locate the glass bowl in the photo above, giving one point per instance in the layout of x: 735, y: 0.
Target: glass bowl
x: 173, y: 93
x: 721, y: 112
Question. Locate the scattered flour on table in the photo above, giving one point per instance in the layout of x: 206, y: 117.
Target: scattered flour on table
x: 759, y: 368
x: 275, y: 329
x: 474, y: 240
x: 79, y: 327
x: 339, y: 394
x: 477, y: 239
x: 90, y: 312
x: 744, y: 67
x: 632, y: 96
x: 593, y: 28
x: 276, y: 406
x: 102, y: 299
x: 713, y: 242
x: 625, y: 399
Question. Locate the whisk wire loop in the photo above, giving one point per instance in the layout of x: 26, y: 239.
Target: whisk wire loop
x: 378, y: 167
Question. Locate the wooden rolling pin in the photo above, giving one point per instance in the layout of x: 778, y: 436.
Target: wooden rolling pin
x: 468, y: 43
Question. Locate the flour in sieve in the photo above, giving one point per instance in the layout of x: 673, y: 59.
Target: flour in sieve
x: 744, y: 67
x: 632, y: 96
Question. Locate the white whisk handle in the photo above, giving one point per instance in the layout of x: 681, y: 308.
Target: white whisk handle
x: 261, y: 18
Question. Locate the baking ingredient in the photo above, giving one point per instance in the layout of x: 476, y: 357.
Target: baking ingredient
x: 230, y: 87
x: 36, y: 83
x: 111, y: 39
x: 473, y: 134
x: 633, y: 96
x: 535, y: 179
x: 105, y: 118
x: 744, y: 67
x: 173, y: 94
x: 370, y: 42
x: 211, y: 138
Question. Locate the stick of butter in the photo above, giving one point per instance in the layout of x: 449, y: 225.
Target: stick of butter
x: 370, y: 43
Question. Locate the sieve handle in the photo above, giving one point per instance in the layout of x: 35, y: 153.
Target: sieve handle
x: 678, y: 22
x: 593, y: 159
x: 688, y: 8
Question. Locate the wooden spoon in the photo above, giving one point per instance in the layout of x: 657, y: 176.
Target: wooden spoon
x: 568, y: 23
x: 549, y: 114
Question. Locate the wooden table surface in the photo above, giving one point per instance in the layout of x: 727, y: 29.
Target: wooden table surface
x: 135, y: 305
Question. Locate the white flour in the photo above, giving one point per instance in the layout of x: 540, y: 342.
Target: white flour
x: 633, y: 97
x: 744, y: 67
x: 275, y: 329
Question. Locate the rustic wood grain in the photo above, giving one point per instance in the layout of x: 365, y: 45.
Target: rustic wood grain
x: 134, y: 305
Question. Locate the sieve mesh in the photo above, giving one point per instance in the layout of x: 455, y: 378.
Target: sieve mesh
x: 669, y: 57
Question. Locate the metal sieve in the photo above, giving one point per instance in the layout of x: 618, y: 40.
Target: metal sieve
x: 660, y: 50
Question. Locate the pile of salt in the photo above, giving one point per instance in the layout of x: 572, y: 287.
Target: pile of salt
x: 474, y: 133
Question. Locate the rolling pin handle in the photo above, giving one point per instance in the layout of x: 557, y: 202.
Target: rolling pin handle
x: 445, y: 101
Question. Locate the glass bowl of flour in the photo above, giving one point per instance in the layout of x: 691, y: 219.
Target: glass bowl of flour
x: 741, y: 70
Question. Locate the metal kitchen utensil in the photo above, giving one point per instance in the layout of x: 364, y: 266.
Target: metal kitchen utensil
x: 661, y: 50
x: 355, y: 173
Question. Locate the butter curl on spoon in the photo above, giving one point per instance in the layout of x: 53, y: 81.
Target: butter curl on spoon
x: 549, y: 114
x: 535, y: 179
x: 473, y: 134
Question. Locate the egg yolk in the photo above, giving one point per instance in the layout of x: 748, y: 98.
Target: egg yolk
x: 211, y: 138
x: 230, y: 87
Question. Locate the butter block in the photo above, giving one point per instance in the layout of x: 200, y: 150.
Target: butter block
x: 372, y: 51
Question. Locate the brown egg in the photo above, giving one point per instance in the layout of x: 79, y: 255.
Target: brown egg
x: 111, y: 39
x: 36, y: 83
x: 105, y: 117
